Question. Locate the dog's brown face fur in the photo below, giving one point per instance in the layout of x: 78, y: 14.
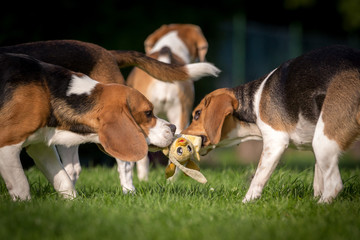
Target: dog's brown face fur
x: 124, y: 122
x: 212, y: 118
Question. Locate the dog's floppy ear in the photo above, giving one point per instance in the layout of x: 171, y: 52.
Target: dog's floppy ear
x: 154, y: 37
x: 201, y: 45
x: 121, y: 137
x: 217, y: 109
x: 201, y: 51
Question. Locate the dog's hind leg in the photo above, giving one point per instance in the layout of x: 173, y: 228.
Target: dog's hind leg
x: 12, y: 172
x: 47, y: 160
x: 327, y: 152
x: 125, y: 170
x: 142, y: 167
x: 70, y: 159
x: 318, y: 181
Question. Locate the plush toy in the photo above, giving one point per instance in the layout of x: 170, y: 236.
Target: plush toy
x: 183, y: 153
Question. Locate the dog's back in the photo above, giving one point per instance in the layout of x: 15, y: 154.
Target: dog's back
x: 87, y: 58
x: 302, y: 85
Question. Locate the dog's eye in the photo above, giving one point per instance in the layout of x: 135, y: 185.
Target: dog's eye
x: 179, y: 151
x: 189, y: 148
x: 197, y: 114
x: 149, y: 114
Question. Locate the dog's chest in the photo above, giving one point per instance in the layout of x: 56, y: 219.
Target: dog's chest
x: 164, y: 95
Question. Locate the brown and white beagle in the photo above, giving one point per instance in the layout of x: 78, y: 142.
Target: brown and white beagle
x: 177, y: 44
x: 312, y: 101
x: 42, y: 105
x: 103, y: 66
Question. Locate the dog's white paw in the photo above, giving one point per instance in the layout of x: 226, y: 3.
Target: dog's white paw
x: 325, y: 200
x: 129, y: 190
x: 251, y: 197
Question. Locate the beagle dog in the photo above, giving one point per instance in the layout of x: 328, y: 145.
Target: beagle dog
x: 103, y: 66
x: 42, y: 105
x: 312, y: 101
x: 177, y: 44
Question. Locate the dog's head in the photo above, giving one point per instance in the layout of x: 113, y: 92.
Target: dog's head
x: 127, y: 125
x: 214, y: 120
x: 190, y: 34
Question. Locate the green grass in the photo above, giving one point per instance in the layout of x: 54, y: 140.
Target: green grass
x: 186, y: 209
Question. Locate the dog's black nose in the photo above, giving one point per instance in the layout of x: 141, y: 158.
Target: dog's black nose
x: 172, y: 128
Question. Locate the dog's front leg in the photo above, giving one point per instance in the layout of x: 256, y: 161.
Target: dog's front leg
x: 125, y: 170
x: 142, y: 167
x: 47, y: 160
x: 70, y: 159
x: 272, y: 150
x: 12, y: 172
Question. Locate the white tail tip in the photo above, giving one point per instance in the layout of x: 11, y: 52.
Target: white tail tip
x: 199, y: 70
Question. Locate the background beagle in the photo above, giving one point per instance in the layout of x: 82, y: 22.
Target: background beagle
x: 43, y: 104
x: 177, y: 44
x: 103, y: 66
x: 311, y: 102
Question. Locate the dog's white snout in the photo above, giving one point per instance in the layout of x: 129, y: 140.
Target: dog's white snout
x: 162, y: 134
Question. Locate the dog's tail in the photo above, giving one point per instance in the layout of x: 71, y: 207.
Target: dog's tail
x: 164, y: 71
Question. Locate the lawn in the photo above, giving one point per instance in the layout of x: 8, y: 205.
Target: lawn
x: 186, y: 209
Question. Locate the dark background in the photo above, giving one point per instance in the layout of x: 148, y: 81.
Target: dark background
x: 247, y: 39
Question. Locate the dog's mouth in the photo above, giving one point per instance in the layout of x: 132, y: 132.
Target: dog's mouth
x: 203, y: 140
x: 206, y: 147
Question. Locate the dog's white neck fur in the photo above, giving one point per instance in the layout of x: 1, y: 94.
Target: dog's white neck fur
x: 238, y: 135
x: 177, y: 46
x: 81, y: 85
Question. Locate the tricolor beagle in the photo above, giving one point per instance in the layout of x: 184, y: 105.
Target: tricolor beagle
x: 177, y: 44
x: 43, y: 104
x: 103, y: 66
x: 310, y: 101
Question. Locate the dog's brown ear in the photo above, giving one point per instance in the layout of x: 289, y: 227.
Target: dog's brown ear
x: 218, y: 108
x: 154, y: 37
x: 121, y: 137
x: 201, y: 51
x: 201, y: 46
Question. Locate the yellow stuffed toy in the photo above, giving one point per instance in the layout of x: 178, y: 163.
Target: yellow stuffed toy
x: 182, y: 153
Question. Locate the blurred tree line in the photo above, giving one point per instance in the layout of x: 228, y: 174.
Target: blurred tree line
x: 125, y: 24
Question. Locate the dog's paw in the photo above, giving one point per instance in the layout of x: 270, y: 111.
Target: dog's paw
x: 129, y: 190
x: 249, y: 198
x: 325, y: 200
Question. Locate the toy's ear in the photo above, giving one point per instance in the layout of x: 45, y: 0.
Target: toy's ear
x: 192, y: 165
x: 170, y: 170
x: 121, y: 137
x: 218, y: 109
